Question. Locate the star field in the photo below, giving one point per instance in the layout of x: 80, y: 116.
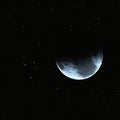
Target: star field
x: 34, y: 35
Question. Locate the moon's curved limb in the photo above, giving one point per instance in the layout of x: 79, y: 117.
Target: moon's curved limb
x: 82, y: 70
x: 71, y: 72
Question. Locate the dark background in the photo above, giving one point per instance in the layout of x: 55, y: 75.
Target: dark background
x: 33, y: 35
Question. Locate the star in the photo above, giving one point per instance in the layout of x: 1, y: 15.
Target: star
x: 89, y: 28
x: 117, y: 94
x: 57, y: 88
x: 34, y: 62
x: 32, y: 6
x: 25, y: 64
x: 30, y: 77
x: 36, y: 68
x: 51, y: 8
x: 70, y: 30
x: 99, y: 18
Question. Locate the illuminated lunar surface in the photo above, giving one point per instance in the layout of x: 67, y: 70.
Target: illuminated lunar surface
x: 80, y: 69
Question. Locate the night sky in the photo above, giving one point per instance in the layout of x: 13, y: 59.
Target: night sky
x: 34, y: 34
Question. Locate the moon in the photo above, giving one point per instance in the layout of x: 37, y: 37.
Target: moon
x: 81, y: 68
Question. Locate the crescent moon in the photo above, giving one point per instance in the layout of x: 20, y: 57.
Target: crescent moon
x: 83, y: 68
